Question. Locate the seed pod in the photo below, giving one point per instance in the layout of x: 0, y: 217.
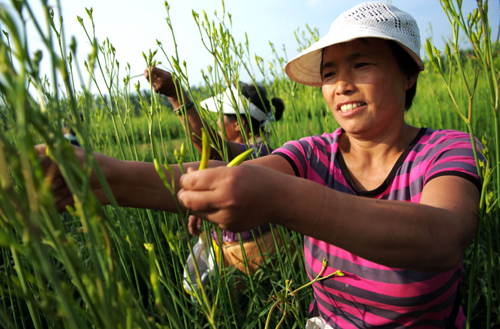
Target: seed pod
x: 161, y: 173
x: 240, y: 158
x: 183, y: 151
x: 474, y: 38
x: 448, y: 52
x: 205, y: 152
x: 446, y: 4
x: 436, y: 51
x: 196, y: 16
x: 484, y: 140
x: 72, y: 45
x: 428, y: 47
x: 89, y: 12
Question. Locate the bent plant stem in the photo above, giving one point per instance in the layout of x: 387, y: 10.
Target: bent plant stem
x: 281, y: 321
x: 268, y: 321
x: 283, y: 298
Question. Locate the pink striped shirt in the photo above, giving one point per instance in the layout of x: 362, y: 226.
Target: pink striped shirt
x: 370, y: 294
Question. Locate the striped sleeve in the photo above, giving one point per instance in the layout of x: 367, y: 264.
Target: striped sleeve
x: 451, y: 154
x: 297, y: 154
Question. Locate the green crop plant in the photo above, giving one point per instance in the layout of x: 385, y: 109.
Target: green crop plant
x: 112, y: 267
x: 476, y: 75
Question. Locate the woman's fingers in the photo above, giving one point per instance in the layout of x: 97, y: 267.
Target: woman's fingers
x: 154, y: 79
x: 192, y: 221
x: 146, y: 74
x: 199, y: 201
x: 50, y: 168
x: 207, y: 179
x: 194, y: 225
x: 217, y: 195
x: 41, y: 149
x: 161, y: 81
x: 210, y: 189
x: 68, y: 200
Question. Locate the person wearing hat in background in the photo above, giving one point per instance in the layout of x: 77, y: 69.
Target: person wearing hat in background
x: 390, y: 205
x: 69, y: 133
x: 252, y: 100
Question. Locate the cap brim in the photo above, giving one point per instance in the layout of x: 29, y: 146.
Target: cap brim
x: 216, y: 104
x: 305, y: 67
x: 221, y: 102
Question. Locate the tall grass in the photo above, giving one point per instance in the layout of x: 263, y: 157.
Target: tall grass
x: 111, y: 267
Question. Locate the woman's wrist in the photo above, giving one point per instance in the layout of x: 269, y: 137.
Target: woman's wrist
x: 183, y: 108
x: 179, y: 102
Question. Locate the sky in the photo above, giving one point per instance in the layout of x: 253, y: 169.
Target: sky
x: 133, y: 26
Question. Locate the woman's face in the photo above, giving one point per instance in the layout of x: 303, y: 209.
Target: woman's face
x: 364, y: 86
x: 232, y: 128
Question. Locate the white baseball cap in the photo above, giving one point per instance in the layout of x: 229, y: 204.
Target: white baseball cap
x: 367, y: 20
x: 224, y: 102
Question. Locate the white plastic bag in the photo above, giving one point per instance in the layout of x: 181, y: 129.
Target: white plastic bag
x: 205, y: 265
x: 317, y: 323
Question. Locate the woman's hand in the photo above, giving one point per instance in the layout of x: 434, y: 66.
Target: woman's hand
x: 60, y: 189
x: 162, y: 82
x: 237, y: 199
x: 194, y: 225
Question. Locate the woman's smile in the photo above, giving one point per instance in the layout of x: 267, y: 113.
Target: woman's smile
x: 350, y: 106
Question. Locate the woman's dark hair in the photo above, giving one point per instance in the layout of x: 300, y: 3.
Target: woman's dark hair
x: 65, y: 124
x: 409, y: 67
x: 258, y: 96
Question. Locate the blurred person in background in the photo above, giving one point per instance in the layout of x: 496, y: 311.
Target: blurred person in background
x: 255, y: 110
x: 69, y: 133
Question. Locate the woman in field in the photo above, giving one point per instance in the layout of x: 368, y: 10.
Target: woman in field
x: 257, y: 105
x: 390, y: 205
x: 254, y: 101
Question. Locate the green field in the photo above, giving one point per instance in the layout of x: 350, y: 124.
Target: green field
x: 112, y: 267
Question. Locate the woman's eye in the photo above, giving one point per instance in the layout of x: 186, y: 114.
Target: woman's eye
x: 328, y: 75
x: 359, y: 65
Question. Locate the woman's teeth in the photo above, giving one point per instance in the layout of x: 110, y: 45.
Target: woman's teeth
x: 349, y: 107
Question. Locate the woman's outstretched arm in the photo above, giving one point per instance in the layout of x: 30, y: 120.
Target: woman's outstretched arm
x: 133, y: 183
x: 427, y: 236
x: 163, y: 83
